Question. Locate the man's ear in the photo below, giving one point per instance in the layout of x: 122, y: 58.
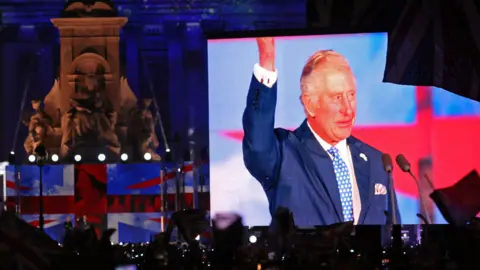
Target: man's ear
x: 309, y: 104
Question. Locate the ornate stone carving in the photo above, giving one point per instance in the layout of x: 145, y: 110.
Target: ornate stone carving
x: 52, y: 101
x: 90, y: 107
x: 89, y: 124
x: 81, y: 9
x: 39, y: 124
x: 142, y: 130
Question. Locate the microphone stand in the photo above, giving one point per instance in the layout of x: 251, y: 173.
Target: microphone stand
x: 177, y: 188
x: 392, y: 198
x: 396, y: 229
x: 192, y: 157
x: 202, y: 184
x: 18, y: 201
x: 180, y: 187
x: 183, y: 202
x: 163, y: 176
x: 179, y: 205
x: 422, y: 201
x: 41, y: 218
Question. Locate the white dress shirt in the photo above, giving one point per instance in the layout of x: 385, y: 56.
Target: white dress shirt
x: 269, y: 78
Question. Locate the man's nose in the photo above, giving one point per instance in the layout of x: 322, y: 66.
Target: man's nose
x: 346, y: 107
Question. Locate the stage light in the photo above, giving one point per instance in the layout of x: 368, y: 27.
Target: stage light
x: 77, y: 158
x: 11, y: 158
x: 197, y: 238
x: 101, y: 157
x: 252, y: 239
x: 32, y: 158
x: 147, y: 156
x: 54, y: 157
x: 167, y: 150
x: 124, y: 157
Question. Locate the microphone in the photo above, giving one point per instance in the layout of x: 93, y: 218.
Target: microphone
x: 387, y: 163
x: 423, y: 218
x: 405, y: 166
x: 388, y: 167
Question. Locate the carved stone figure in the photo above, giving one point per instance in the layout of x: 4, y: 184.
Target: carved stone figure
x: 38, y: 126
x: 89, y: 123
x: 92, y: 106
x: 142, y: 130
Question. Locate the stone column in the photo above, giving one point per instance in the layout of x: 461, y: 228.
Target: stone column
x: 132, y: 38
x: 196, y: 83
x: 177, y: 81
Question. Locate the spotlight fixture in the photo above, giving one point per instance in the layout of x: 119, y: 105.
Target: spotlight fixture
x: 252, y: 239
x: 77, y: 158
x: 168, y: 156
x: 55, y: 158
x: 11, y: 157
x: 147, y: 156
x: 32, y: 158
x: 124, y: 157
x: 101, y: 157
x: 167, y: 150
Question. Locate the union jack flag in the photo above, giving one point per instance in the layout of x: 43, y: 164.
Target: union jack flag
x: 126, y: 197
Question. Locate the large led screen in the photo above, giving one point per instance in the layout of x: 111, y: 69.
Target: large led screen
x: 433, y: 128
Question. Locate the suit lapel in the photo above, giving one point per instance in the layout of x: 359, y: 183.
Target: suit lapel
x: 361, y: 166
x: 323, y: 167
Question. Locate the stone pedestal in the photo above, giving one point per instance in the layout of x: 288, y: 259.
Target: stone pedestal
x: 89, y: 46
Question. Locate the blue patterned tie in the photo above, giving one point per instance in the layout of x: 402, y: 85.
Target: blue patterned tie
x: 344, y: 184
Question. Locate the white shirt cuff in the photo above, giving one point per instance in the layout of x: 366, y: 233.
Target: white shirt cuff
x: 265, y: 77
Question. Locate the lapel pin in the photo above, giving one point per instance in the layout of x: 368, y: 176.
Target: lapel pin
x: 363, y: 156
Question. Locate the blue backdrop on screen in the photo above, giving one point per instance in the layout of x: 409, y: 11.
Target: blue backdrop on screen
x: 122, y: 176
x: 133, y: 197
x: 58, y: 190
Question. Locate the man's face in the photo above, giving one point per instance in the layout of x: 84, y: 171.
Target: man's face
x: 333, y: 106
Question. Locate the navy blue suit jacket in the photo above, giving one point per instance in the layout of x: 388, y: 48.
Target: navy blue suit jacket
x: 297, y: 173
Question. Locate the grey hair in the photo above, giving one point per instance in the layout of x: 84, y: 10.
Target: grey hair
x: 323, y: 59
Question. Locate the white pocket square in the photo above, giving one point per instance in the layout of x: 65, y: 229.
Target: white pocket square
x: 380, y: 189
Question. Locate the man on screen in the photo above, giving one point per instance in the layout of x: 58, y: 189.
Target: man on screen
x: 319, y: 171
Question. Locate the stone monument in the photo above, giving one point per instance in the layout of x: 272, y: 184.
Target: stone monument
x: 90, y: 105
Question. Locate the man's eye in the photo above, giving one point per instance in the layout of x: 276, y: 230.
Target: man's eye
x: 338, y: 97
